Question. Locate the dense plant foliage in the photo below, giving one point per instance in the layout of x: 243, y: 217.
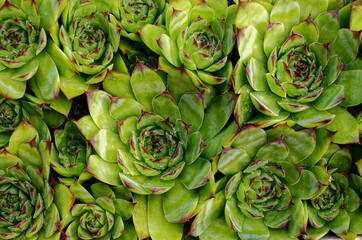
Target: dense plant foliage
x: 180, y: 119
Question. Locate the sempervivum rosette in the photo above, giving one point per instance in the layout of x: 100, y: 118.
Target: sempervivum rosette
x: 157, y: 140
x: 30, y: 109
x: 199, y: 37
x: 100, y: 214
x: 268, y: 176
x: 10, y: 117
x: 295, y: 65
x: 28, y: 209
x: 22, y: 43
x: 73, y: 152
x: 134, y: 14
x: 86, y: 41
x: 337, y: 208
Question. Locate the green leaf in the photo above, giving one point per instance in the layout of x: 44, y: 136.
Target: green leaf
x: 341, y: 161
x: 274, y: 151
x: 104, y: 171
x: 81, y: 194
x: 106, y: 145
x: 323, y: 141
x: 118, y: 85
x: 197, y: 174
x: 159, y: 227
x: 47, y: 76
x: 140, y: 218
x: 340, y: 223
x: 330, y: 97
x: 232, y: 161
x: 191, y: 107
x: 300, y: 144
x: 254, y: 229
x: 312, y: 117
x: 181, y: 81
x: 307, y: 29
x: 244, y: 109
x: 233, y: 215
x: 255, y: 71
x: 313, y: 7
x: 343, y: 118
x: 99, y: 108
x: 219, y: 230
x: 274, y: 37
x: 250, y: 44
x: 123, y: 108
x: 179, y: 203
x: 223, y: 138
x: 307, y: 187
x: 164, y: 105
x: 250, y: 139
x: 251, y: 13
x: 211, y: 211
x: 9, y: 88
x: 346, y: 45
x: 146, y: 84
x: 169, y: 49
x: 298, y: 222
x: 328, y: 26
x: 350, y: 81
x: 266, y: 103
x: 149, y: 34
x: 217, y: 115
x: 286, y: 12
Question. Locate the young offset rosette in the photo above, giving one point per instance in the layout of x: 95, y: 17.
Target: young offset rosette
x: 200, y: 37
x: 294, y: 63
x: 28, y: 209
x: 268, y: 176
x: 134, y: 14
x: 151, y: 142
x: 73, y: 152
x: 87, y: 39
x: 337, y: 208
x: 10, y: 117
x: 100, y: 214
x: 30, y: 109
x: 22, y: 43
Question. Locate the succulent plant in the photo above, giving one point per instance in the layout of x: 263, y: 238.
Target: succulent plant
x: 268, y: 176
x: 28, y: 209
x: 101, y: 213
x: 22, y: 42
x: 32, y: 110
x: 337, y: 208
x: 294, y: 63
x: 73, y: 152
x: 156, y: 142
x: 131, y: 15
x: 199, y: 37
x: 11, y: 116
x: 85, y: 43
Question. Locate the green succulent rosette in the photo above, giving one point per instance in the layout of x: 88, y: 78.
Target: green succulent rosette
x: 28, y: 209
x: 32, y: 110
x: 85, y: 42
x: 101, y: 213
x: 134, y: 14
x: 199, y: 36
x: 268, y: 177
x: 338, y: 207
x: 295, y: 65
x: 154, y: 143
x: 73, y: 152
x: 22, y: 43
